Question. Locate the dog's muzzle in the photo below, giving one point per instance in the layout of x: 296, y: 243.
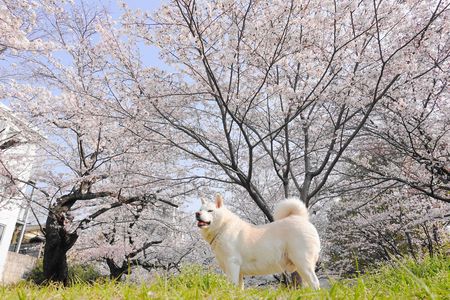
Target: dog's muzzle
x: 200, y: 222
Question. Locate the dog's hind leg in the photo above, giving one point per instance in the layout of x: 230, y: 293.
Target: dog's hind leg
x: 306, y: 270
x: 311, y: 278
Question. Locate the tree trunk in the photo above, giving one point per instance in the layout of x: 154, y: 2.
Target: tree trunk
x: 429, y: 240
x: 57, y: 242
x: 410, y: 245
x: 115, y: 272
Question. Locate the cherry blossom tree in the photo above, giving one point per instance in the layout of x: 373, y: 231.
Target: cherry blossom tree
x: 268, y: 99
x: 18, y: 145
x: 19, y: 25
x: 396, y: 182
x: 284, y: 84
x: 362, y: 232
x: 150, y: 240
x: 93, y: 163
x: 410, y: 140
x: 20, y: 32
x: 271, y: 97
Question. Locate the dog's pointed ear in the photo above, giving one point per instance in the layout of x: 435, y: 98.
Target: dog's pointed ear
x: 219, y: 200
x: 203, y: 200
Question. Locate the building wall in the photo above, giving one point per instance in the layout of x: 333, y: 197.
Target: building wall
x: 16, y: 266
x: 8, y: 218
x: 19, y: 160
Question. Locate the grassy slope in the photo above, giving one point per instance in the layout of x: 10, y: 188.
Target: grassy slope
x: 407, y: 280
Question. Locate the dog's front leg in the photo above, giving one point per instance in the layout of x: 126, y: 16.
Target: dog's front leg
x: 233, y: 271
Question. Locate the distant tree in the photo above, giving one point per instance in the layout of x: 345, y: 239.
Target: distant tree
x: 146, y: 238
x: 375, y: 224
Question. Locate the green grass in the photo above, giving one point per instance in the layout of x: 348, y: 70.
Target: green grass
x: 429, y: 279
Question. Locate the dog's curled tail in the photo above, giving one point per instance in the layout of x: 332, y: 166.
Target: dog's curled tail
x: 289, y: 207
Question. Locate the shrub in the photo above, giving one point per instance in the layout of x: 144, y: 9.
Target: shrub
x: 78, y: 273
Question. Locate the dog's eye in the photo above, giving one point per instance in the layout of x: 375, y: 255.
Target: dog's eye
x: 210, y: 210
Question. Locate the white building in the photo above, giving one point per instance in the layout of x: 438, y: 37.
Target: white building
x: 18, y: 147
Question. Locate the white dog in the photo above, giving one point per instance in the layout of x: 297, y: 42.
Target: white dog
x: 291, y: 243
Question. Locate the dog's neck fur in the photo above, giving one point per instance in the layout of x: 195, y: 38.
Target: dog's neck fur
x: 212, y: 233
